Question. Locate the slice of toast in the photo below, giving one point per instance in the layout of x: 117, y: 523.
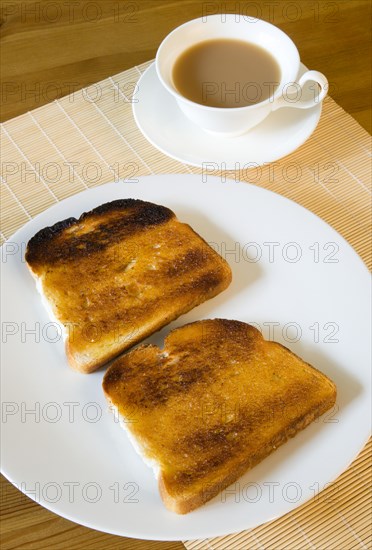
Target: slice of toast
x: 213, y: 403
x: 119, y: 273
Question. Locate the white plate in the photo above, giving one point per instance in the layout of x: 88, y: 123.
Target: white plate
x: 165, y: 126
x: 44, y: 458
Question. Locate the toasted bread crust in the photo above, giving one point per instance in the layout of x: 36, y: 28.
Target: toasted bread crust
x: 42, y: 249
x: 213, y: 403
x: 120, y: 273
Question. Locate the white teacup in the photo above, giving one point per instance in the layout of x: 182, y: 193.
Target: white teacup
x: 237, y: 120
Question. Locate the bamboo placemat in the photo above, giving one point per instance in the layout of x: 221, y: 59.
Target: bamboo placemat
x: 90, y: 138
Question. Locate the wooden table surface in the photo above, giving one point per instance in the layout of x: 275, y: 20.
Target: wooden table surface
x: 50, y: 49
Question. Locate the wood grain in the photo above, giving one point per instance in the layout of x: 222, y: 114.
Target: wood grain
x: 50, y: 48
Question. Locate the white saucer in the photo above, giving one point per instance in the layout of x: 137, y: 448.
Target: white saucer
x: 165, y: 126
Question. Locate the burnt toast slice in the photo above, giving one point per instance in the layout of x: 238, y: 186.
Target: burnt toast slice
x: 213, y: 403
x: 119, y: 273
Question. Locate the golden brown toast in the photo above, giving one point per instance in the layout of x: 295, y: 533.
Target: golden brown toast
x: 213, y: 403
x: 119, y: 273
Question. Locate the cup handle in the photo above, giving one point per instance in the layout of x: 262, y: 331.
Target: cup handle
x: 297, y: 102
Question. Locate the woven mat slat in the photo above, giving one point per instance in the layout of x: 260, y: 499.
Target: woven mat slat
x: 90, y: 138
x: 338, y: 505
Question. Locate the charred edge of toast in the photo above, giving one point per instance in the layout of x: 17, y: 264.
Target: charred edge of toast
x: 239, y: 329
x: 165, y: 386
x: 145, y: 214
x: 116, y: 371
x: 121, y: 367
x: 158, y: 392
